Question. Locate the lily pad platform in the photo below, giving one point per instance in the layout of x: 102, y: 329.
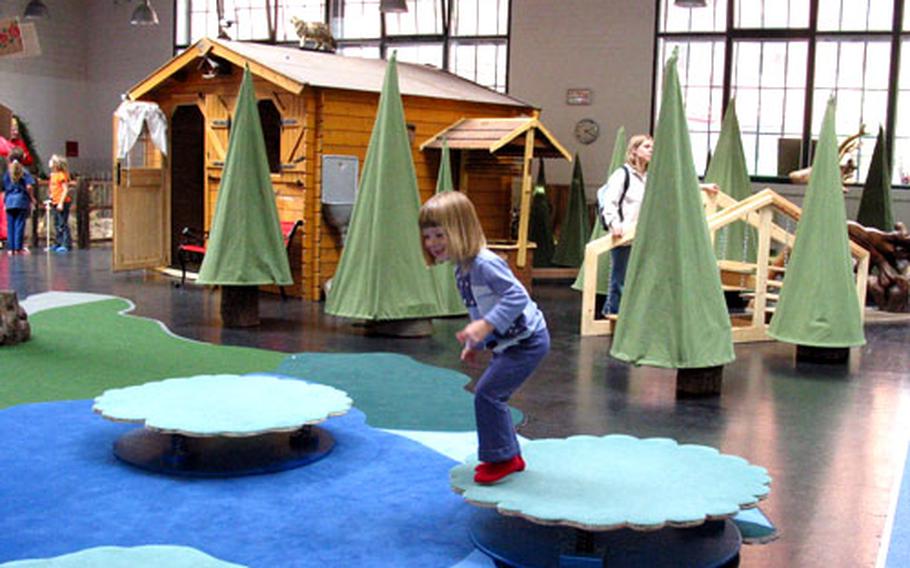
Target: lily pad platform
x: 223, y: 425
x: 585, y: 500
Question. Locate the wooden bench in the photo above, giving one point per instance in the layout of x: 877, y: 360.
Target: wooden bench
x: 193, y: 245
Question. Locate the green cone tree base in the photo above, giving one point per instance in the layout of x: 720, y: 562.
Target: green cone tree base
x: 412, y: 327
x: 699, y: 382
x: 240, y: 306
x: 826, y: 355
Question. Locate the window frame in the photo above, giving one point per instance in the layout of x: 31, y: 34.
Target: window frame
x: 813, y: 36
x: 385, y: 41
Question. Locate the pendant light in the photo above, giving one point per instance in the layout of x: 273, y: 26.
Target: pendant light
x: 144, y: 15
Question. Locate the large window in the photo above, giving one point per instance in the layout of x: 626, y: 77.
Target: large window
x: 781, y: 60
x: 467, y: 37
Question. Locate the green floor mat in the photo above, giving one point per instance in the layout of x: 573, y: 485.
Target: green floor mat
x: 78, y: 352
x: 394, y: 391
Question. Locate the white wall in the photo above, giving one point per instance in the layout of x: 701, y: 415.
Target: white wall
x: 605, y: 46
x: 89, y: 55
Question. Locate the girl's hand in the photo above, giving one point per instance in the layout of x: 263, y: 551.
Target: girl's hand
x: 468, y: 355
x: 616, y: 231
x: 60, y: 206
x: 474, y: 332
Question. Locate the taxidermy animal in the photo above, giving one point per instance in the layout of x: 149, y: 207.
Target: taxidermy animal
x: 847, y: 164
x: 316, y: 32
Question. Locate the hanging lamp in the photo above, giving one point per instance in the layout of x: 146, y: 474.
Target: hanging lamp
x: 144, y: 15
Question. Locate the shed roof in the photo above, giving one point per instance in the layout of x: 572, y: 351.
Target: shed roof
x: 293, y: 69
x: 503, y: 136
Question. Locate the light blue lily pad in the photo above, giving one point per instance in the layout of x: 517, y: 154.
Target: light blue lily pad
x: 128, y: 557
x: 223, y: 405
x: 616, y: 481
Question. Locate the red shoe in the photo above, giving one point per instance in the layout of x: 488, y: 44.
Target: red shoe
x: 491, y: 472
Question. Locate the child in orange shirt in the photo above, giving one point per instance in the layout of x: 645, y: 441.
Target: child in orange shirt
x: 60, y: 201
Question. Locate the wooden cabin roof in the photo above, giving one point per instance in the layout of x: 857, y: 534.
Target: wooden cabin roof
x: 293, y: 69
x: 504, y: 136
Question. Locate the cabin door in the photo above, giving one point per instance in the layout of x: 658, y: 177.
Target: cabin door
x: 141, y: 207
x: 187, y: 174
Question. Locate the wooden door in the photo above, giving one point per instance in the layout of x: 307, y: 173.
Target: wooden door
x: 141, y: 207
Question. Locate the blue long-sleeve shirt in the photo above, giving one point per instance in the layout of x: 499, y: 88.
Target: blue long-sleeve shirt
x: 15, y: 194
x: 490, y: 291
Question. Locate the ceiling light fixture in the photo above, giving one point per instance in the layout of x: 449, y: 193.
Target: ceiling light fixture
x: 691, y: 3
x: 35, y: 10
x: 393, y: 6
x: 144, y: 15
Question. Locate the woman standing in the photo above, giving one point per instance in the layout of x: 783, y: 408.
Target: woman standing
x: 18, y: 198
x: 619, y: 201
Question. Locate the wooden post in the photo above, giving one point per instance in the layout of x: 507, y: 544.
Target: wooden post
x: 762, y: 259
x: 83, y: 208
x: 525, y: 208
x: 14, y: 326
x: 240, y: 306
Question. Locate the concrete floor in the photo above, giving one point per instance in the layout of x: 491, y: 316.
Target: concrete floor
x: 832, y: 438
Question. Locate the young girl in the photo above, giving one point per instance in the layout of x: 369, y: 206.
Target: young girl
x: 503, y: 320
x: 18, y: 197
x: 60, y: 201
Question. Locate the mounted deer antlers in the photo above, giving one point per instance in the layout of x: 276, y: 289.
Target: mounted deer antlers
x: 846, y: 150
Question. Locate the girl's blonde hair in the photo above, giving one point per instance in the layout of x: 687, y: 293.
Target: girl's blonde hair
x: 16, y: 171
x: 454, y: 213
x: 56, y: 162
x: 631, y: 158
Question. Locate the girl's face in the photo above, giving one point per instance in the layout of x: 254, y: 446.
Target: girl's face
x: 436, y: 243
x: 644, y: 151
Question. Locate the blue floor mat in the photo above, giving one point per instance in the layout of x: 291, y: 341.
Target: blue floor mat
x: 376, y: 500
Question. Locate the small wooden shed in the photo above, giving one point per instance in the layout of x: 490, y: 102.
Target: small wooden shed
x: 482, y: 147
x: 312, y: 104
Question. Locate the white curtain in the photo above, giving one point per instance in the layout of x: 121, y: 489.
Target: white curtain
x: 131, y: 115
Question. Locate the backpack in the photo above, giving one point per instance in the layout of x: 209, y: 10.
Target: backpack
x: 622, y: 197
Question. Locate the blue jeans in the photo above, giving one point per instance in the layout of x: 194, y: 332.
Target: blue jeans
x: 496, y: 436
x: 62, y: 226
x: 15, y: 228
x: 620, y: 261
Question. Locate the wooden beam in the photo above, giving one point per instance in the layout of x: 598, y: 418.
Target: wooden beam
x: 524, y: 212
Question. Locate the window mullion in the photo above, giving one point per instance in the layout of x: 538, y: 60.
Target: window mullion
x: 810, y: 84
x: 893, y: 76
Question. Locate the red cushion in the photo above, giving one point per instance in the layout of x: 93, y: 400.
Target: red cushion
x: 193, y: 248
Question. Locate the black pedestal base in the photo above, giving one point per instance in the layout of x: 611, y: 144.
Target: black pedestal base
x: 515, y: 542
x: 699, y: 382
x: 829, y: 355
x: 222, y: 456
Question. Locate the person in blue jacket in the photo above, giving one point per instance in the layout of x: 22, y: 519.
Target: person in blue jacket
x: 18, y: 198
x: 504, y: 320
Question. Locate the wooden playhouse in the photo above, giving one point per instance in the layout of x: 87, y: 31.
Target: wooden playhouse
x: 313, y: 106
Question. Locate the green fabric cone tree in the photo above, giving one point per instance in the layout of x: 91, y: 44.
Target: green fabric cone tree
x: 382, y: 274
x: 450, y: 302
x: 818, y: 306
x: 672, y: 312
x: 575, y: 228
x: 540, y: 226
x: 245, y: 246
x: 727, y: 168
x: 603, y: 262
x: 875, y: 205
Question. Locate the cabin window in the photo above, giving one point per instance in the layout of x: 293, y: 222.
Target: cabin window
x: 271, y: 131
x: 780, y: 64
x: 469, y: 38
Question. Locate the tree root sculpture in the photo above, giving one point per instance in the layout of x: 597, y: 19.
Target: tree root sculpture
x: 889, y: 275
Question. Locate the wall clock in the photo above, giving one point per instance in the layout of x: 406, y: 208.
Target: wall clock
x: 586, y: 130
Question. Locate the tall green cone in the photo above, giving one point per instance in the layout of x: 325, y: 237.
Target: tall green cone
x: 245, y: 246
x: 382, y: 274
x: 603, y: 262
x: 727, y: 169
x: 450, y: 302
x: 444, y: 178
x: 575, y: 228
x: 540, y: 226
x: 818, y: 306
x: 875, y: 205
x: 672, y: 312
